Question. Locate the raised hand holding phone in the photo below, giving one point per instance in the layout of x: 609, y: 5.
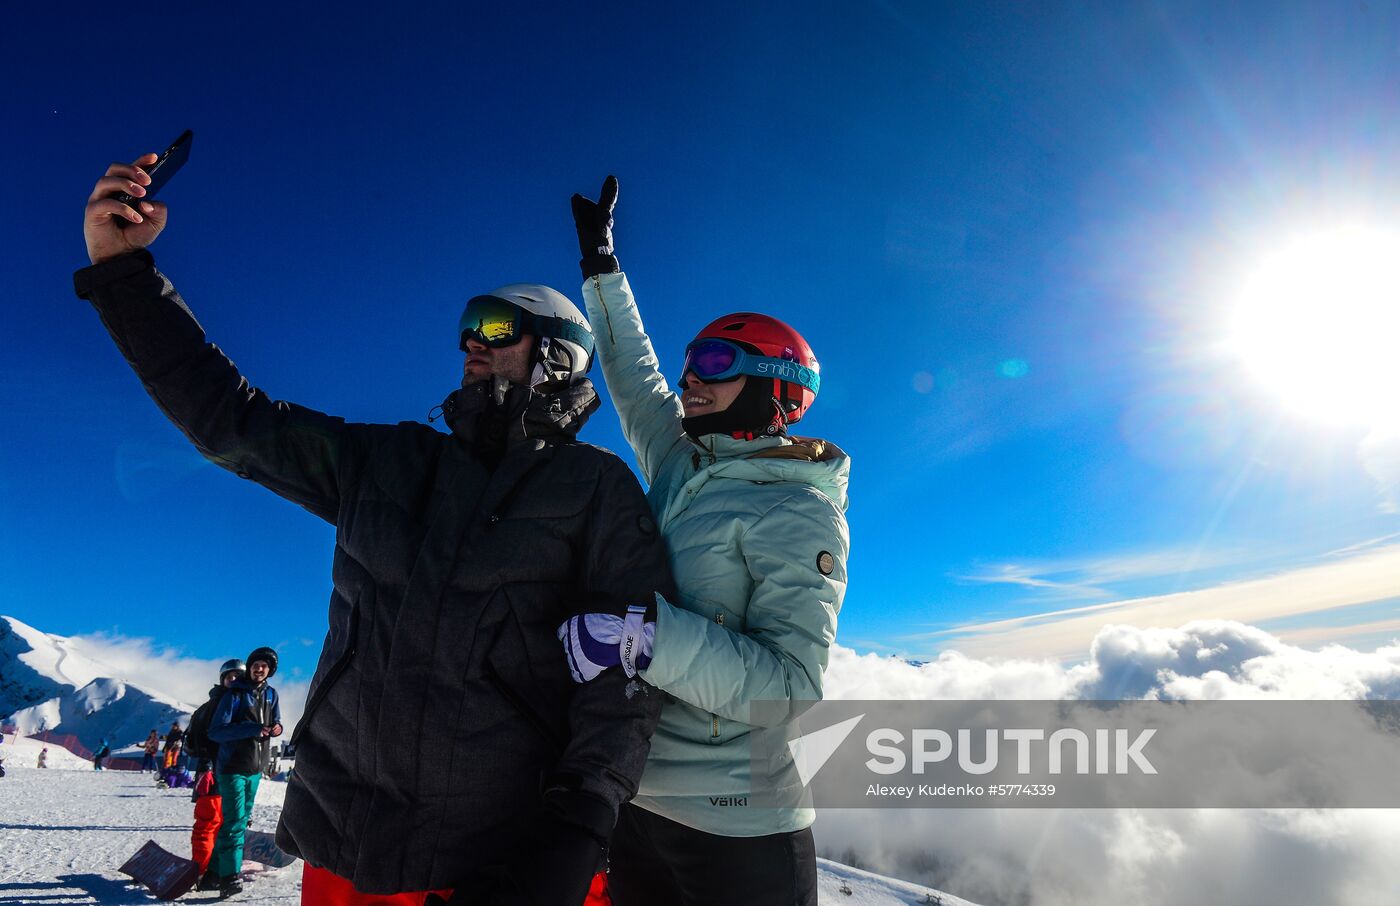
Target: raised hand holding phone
x: 121, y: 216
x: 162, y: 169
x: 112, y: 228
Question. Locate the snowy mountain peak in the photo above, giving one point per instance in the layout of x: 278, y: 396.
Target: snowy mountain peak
x: 100, y: 693
x: 48, y: 683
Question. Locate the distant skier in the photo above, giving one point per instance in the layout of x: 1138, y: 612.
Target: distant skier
x: 174, y: 736
x: 172, y: 772
x: 443, y: 744
x: 44, y: 757
x: 149, y: 750
x: 246, y: 719
x: 100, y: 755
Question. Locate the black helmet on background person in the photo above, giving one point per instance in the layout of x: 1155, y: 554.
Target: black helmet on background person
x: 232, y: 665
x: 264, y: 654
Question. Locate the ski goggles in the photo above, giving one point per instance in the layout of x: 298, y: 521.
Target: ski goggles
x: 496, y: 323
x: 713, y: 361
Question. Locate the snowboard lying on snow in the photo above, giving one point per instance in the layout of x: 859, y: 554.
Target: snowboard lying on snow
x: 167, y: 875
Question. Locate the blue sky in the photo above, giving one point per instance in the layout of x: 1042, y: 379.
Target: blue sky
x: 1009, y: 232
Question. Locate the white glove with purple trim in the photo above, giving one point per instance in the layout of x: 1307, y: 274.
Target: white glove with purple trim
x: 593, y: 642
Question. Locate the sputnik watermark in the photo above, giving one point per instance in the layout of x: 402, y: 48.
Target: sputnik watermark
x: 1078, y: 754
x: 1112, y: 752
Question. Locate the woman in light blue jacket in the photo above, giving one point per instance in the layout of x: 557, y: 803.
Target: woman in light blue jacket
x: 754, y: 523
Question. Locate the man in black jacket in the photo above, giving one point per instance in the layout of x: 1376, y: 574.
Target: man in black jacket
x: 443, y: 744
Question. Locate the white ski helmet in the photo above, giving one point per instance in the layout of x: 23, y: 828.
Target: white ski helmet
x: 566, y: 340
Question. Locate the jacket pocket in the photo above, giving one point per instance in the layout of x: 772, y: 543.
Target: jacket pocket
x: 518, y: 702
x: 328, y: 681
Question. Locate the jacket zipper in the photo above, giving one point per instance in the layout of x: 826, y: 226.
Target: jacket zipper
x: 607, y: 313
x: 714, y: 718
x: 331, y: 676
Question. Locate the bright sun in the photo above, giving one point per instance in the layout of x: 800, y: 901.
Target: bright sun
x: 1318, y: 323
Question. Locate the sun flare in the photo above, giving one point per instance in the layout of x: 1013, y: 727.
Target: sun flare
x: 1318, y: 325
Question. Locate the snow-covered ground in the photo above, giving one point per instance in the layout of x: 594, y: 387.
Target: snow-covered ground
x: 64, y: 831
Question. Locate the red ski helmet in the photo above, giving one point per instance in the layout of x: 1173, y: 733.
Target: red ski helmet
x: 768, y: 337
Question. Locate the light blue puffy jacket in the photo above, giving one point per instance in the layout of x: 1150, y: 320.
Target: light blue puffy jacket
x: 746, y: 523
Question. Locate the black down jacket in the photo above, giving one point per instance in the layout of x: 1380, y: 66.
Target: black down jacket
x: 442, y: 699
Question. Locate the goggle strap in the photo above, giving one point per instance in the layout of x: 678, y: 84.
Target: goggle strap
x: 564, y: 329
x: 762, y: 366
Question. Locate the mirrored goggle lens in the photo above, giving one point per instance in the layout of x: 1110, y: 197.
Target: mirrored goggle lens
x: 711, y: 360
x: 494, y: 322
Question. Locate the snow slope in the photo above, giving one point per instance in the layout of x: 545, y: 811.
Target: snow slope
x: 20, y: 751
x: 47, y: 684
x: 64, y: 832
x: 869, y: 889
x: 37, y: 665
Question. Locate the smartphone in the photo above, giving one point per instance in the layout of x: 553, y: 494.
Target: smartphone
x: 166, y: 166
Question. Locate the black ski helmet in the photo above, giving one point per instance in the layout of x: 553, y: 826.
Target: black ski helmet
x: 264, y: 654
x: 232, y: 665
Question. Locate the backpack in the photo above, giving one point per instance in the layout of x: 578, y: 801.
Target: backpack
x: 197, y: 742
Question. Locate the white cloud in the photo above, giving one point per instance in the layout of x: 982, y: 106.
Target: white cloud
x: 166, y: 670
x: 1204, y: 659
x: 1364, y: 577
x: 1314, y: 636
x: 1092, y: 857
x: 1088, y: 857
x: 951, y: 676
x: 1085, y: 578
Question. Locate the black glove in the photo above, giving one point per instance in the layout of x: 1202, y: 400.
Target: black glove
x: 554, y: 863
x: 594, y: 222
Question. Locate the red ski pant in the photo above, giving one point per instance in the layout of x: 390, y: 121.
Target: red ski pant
x: 208, y: 815
x: 598, y: 892
x: 320, y: 887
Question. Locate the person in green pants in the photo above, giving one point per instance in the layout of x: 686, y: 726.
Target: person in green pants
x: 247, y: 719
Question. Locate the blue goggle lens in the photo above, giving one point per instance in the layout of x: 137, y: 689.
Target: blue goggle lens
x: 712, y: 360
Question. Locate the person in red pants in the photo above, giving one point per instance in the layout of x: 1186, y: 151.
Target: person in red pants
x: 208, y: 816
x: 208, y: 804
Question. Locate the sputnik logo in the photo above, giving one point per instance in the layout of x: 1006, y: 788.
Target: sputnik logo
x: 811, y: 751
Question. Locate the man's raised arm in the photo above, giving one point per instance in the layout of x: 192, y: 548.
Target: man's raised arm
x: 301, y: 454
